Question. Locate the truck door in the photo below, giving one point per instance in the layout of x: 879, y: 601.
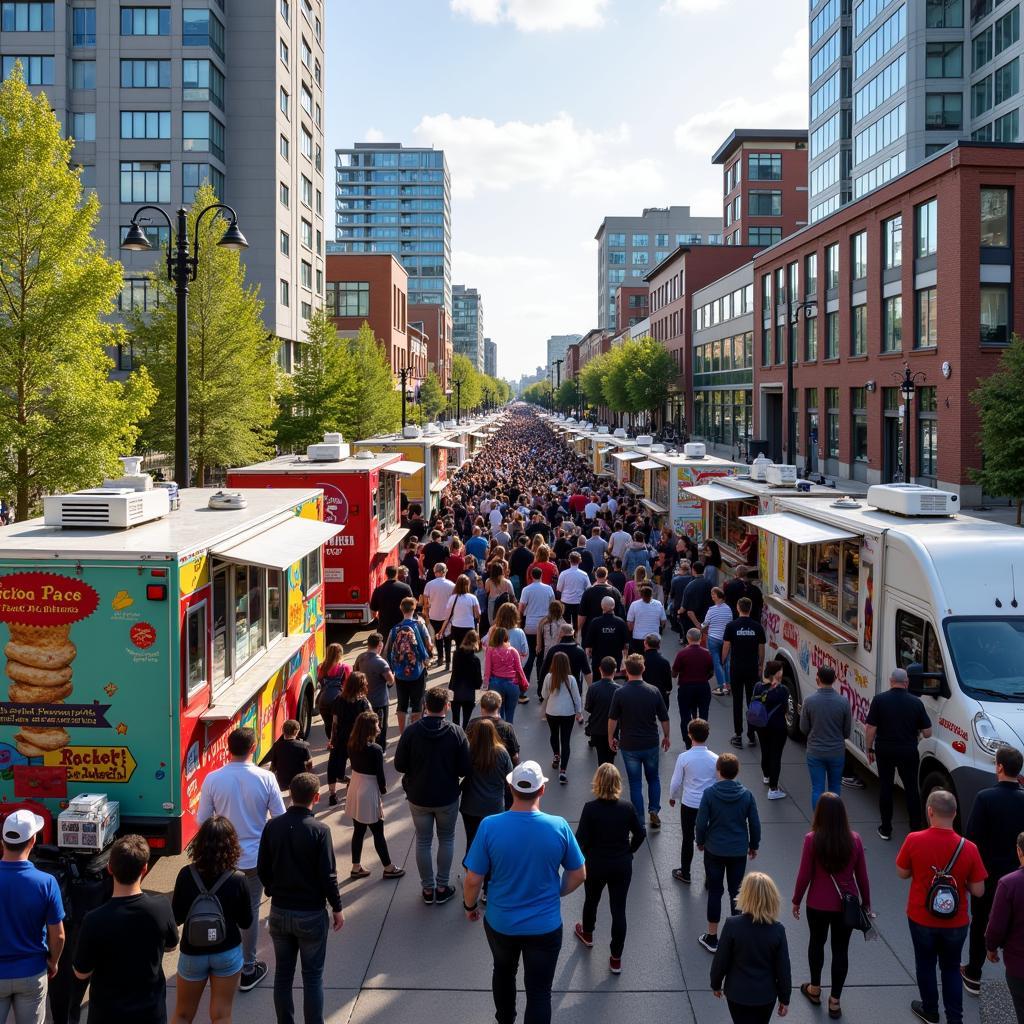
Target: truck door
x: 913, y: 639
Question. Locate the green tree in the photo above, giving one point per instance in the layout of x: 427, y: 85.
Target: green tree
x: 616, y: 381
x: 432, y: 397
x: 472, y: 389
x: 539, y: 393
x: 370, y: 401
x: 592, y: 378
x: 504, y: 392
x: 652, y: 370
x: 565, y: 396
x: 233, y: 374
x: 63, y: 422
x: 999, y: 400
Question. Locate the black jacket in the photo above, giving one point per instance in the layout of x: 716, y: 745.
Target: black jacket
x: 752, y: 962
x: 432, y: 756
x: 658, y: 672
x: 577, y: 659
x: 467, y: 676
x: 996, y: 820
x: 296, y: 862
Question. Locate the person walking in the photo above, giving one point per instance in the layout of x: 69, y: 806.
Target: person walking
x: 943, y: 868
x: 743, y: 652
x: 534, y: 604
x: 533, y: 860
x: 380, y: 680
x: 212, y: 869
x: 363, y: 799
x: 728, y: 832
x: 996, y: 819
x: 330, y: 678
x: 246, y: 796
x: 751, y: 967
x: 832, y: 865
x: 549, y: 634
x: 597, y: 704
x: 592, y: 604
x: 770, y: 701
x: 657, y: 668
x: 466, y: 678
x: 826, y: 721
x: 1006, y: 929
x: 637, y: 708
x: 462, y: 612
x: 693, y: 668
x: 606, y: 636
x: 31, y: 922
x: 563, y: 709
x: 579, y: 665
x: 490, y: 710
x: 609, y: 833
x: 386, y: 601
x: 895, y: 720
x: 483, y: 789
x: 435, y: 603
x: 432, y: 757
x: 572, y: 585
x: 408, y: 652
x: 716, y: 618
x: 503, y: 672
x: 289, y: 755
x: 351, y: 703
x: 695, y: 771
x: 298, y: 869
x: 644, y: 618
x: 696, y: 597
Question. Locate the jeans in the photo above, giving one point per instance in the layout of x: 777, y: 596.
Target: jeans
x: 694, y: 702
x: 981, y: 908
x: 942, y: 946
x: 424, y: 819
x: 617, y: 877
x: 540, y: 957
x: 826, y: 776
x: 26, y: 996
x: 717, y: 870
x: 531, y: 653
x: 742, y: 689
x: 640, y: 763
x: 688, y: 817
x: 251, y: 934
x: 382, y: 720
x: 299, y: 933
x: 906, y: 763
x: 721, y: 670
x: 380, y: 844
x: 510, y: 694
x: 773, y: 742
x: 560, y: 727
x: 820, y: 923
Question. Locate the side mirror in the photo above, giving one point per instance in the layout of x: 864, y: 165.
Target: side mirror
x: 926, y: 684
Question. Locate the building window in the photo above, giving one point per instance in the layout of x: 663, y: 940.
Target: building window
x: 137, y: 293
x: 927, y: 218
x: 202, y: 133
x: 283, y: 101
x: 832, y: 335
x: 617, y: 258
x: 145, y: 181
x: 641, y: 241
x: 763, y: 236
x: 284, y: 243
x: 1007, y: 81
x: 306, y: 142
x: 37, y: 70
x: 944, y: 14
x: 1007, y: 30
x: 995, y: 314
x: 83, y: 74
x: 616, y: 238
x: 765, y: 204
x: 158, y: 236
x: 981, y: 49
x: 944, y: 60
x: 282, y: 48
x: 811, y: 274
x: 832, y: 266
x: 83, y: 127
x: 145, y: 124
x: 307, y: 53
x: 1007, y: 127
x: 892, y: 235
x: 926, y: 334
x: 892, y: 328
x: 859, y: 425
x: 995, y: 218
x: 810, y: 338
x: 859, y: 255
x: 764, y: 166
x: 193, y: 175
x: 859, y: 330
x: 319, y: 281
x: 283, y: 291
x: 641, y: 258
x: 981, y: 96
x: 927, y: 432
x: 348, y: 298
x: 306, y: 99
x: 944, y: 111
x: 306, y: 275
x: 306, y: 187
x: 661, y: 241
x: 286, y: 12
x: 283, y: 194
x: 145, y: 74
x: 145, y: 21
x: 83, y: 26
x: 832, y: 422
x: 307, y: 234
x: 202, y: 80
x: 306, y: 310
x: 200, y: 27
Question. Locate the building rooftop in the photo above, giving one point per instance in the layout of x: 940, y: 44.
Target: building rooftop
x: 740, y: 135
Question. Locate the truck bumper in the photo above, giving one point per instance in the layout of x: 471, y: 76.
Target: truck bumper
x: 350, y: 613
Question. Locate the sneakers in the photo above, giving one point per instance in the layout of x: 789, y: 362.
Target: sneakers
x: 882, y: 834
x: 736, y: 741
x: 555, y: 762
x: 751, y: 741
x: 709, y: 942
x: 428, y: 896
x: 918, y: 1010
x: 443, y: 894
x: 776, y: 794
x: 764, y: 779
x: 587, y: 938
x: 853, y: 782
x: 563, y: 778
x: 333, y: 800
x: 971, y: 987
x: 524, y: 700
x: 615, y: 964
x: 250, y: 979
x: 655, y: 820
x: 681, y: 876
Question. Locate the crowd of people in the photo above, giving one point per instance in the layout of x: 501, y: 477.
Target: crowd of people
x: 534, y: 579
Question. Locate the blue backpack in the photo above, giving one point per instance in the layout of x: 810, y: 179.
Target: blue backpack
x: 407, y: 655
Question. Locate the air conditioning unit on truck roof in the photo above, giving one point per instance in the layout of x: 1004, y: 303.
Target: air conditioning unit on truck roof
x: 105, y: 508
x: 912, y: 500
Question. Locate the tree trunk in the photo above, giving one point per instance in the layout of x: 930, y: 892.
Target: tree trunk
x: 22, y: 502
x: 1020, y: 502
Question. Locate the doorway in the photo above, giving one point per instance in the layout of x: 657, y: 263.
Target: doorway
x: 891, y: 452
x: 773, y: 424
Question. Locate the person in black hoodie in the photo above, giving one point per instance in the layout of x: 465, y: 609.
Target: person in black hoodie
x: 751, y: 965
x: 597, y: 704
x: 432, y: 757
x: 467, y: 678
x: 772, y: 737
x: 609, y: 833
x: 657, y: 668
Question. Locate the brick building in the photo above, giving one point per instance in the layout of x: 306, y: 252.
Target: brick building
x: 435, y: 321
x: 632, y: 304
x: 944, y: 304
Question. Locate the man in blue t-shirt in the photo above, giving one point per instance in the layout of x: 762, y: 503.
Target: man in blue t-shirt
x: 523, y: 851
x: 31, y: 922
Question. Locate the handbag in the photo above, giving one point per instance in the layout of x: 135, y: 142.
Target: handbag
x: 854, y: 915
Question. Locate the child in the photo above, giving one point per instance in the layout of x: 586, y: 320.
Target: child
x: 467, y: 677
x: 289, y: 755
x: 694, y: 772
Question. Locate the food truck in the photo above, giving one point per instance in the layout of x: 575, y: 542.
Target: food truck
x: 900, y: 580
x: 361, y: 498
x: 137, y: 637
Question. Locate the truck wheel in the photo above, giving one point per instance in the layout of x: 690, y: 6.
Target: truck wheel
x: 938, y: 779
x: 792, y: 707
x: 304, y: 713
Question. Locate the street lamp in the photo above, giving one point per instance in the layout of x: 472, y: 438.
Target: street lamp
x: 558, y: 373
x: 487, y: 399
x: 908, y: 385
x: 181, y: 269
x: 403, y: 376
x: 795, y: 307
x: 457, y: 384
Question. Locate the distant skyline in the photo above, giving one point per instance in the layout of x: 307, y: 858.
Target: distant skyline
x: 555, y: 114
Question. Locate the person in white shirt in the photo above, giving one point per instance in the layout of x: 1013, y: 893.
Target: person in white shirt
x: 572, y: 584
x: 247, y: 796
x: 495, y: 516
x: 618, y: 542
x: 590, y: 510
x: 613, y: 505
x: 718, y: 616
x: 435, y: 604
x: 694, y: 772
x: 645, y: 618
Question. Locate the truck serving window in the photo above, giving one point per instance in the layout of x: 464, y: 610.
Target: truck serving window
x: 275, y: 605
x: 825, y: 577
x: 311, y: 571
x: 726, y: 527
x: 988, y: 655
x: 195, y: 648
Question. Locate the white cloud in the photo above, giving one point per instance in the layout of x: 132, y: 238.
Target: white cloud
x: 535, y: 15
x: 792, y: 63
x: 692, y: 6
x: 485, y: 156
x: 373, y: 135
x: 706, y: 131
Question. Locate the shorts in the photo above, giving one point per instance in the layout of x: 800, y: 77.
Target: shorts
x: 200, y: 966
x: 410, y: 694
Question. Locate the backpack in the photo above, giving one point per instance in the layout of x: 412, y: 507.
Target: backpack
x: 943, y: 899
x: 406, y: 654
x: 205, y: 924
x: 757, y: 711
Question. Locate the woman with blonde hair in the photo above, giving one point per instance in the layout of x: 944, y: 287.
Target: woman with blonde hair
x: 609, y: 833
x: 751, y: 965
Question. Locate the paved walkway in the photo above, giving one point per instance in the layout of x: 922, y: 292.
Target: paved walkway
x: 398, y: 961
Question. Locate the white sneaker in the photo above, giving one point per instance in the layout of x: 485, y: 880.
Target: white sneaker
x: 764, y: 779
x: 776, y: 794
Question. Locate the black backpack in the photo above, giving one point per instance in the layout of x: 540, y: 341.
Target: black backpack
x: 943, y: 898
x: 205, y: 924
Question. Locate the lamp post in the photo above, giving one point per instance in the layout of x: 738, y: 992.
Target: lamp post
x: 795, y: 308
x: 576, y: 389
x: 487, y: 399
x: 908, y: 385
x: 457, y: 384
x: 182, y: 267
x: 403, y: 376
x: 558, y: 373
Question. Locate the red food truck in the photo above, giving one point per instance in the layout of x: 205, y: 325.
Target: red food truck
x: 361, y: 496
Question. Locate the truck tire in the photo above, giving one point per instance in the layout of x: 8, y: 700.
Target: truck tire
x: 304, y: 712
x: 936, y: 778
x: 792, y: 707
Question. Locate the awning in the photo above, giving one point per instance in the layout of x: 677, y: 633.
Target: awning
x: 798, y: 529
x: 451, y: 445
x: 391, y: 541
x: 715, y: 492
x: 279, y: 547
x: 477, y: 434
x: 606, y: 449
x: 648, y: 464
x: 229, y: 701
x: 438, y: 486
x: 658, y: 510
x: 404, y: 467
x: 627, y: 456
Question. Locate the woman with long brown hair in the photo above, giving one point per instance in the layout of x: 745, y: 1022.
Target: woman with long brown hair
x: 564, y: 707
x: 498, y: 586
x: 330, y: 677
x: 362, y: 801
x: 483, y: 789
x: 507, y: 617
x: 350, y: 704
x: 548, y: 569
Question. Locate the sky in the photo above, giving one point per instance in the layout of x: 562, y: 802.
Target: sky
x: 555, y: 114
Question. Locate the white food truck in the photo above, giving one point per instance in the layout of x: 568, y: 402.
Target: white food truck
x: 899, y: 579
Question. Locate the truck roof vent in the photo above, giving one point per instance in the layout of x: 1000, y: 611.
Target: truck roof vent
x: 105, y: 507
x: 412, y: 431
x: 331, y: 449
x: 912, y: 500
x: 227, y: 501
x: 695, y: 450
x: 365, y: 453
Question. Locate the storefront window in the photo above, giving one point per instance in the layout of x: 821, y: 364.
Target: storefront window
x: 826, y: 578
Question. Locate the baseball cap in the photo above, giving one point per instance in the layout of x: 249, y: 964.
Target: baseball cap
x: 21, y: 826
x: 526, y: 777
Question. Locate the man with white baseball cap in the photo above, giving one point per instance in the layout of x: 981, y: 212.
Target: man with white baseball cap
x: 523, y: 851
x: 30, y: 908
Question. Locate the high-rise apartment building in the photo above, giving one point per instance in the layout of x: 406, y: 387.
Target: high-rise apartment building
x: 161, y: 97
x: 397, y: 199
x: 630, y: 247
x: 558, y: 344
x: 892, y: 83
x: 468, y: 324
x: 490, y: 358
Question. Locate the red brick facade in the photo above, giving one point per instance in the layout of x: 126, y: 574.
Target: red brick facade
x: 632, y: 304
x: 438, y: 327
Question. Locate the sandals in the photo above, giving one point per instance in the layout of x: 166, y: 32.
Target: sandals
x: 359, y: 873
x: 835, y: 1012
x: 805, y: 991
x: 393, y: 872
